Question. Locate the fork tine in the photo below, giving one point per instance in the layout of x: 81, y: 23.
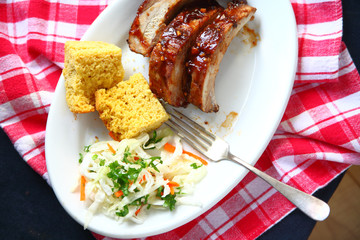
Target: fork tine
x: 195, y: 125
x: 192, y: 126
x: 198, y: 135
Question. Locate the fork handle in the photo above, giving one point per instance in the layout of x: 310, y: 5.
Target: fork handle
x: 310, y: 205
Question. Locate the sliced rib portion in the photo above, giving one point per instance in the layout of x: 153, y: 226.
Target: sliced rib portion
x: 208, y: 51
x: 167, y: 72
x: 151, y: 19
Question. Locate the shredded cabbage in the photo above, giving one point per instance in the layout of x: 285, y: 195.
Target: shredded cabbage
x: 124, y: 179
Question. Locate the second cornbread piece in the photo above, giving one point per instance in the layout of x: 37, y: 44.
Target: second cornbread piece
x: 89, y: 66
x: 130, y: 108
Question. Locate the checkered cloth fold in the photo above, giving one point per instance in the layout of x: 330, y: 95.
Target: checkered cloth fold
x: 317, y: 139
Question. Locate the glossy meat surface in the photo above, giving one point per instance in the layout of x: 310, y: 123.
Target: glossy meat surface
x: 208, y: 51
x: 151, y: 19
x: 167, y: 68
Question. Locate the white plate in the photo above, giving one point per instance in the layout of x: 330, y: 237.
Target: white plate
x: 254, y: 83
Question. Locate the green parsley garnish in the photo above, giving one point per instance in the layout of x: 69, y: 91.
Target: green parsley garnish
x: 159, y: 191
x: 169, y: 201
x: 123, y: 212
x: 140, y: 201
x: 102, y: 162
x: 194, y: 166
x: 81, y: 157
x: 127, y: 154
x: 152, y: 141
x: 87, y: 148
x: 153, y: 165
x: 122, y: 177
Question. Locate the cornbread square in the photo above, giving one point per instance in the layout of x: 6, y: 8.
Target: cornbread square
x: 130, y: 108
x: 89, y: 66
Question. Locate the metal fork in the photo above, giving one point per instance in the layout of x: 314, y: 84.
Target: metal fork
x: 216, y: 149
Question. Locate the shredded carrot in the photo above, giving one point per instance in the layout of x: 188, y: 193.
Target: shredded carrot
x: 172, y: 186
x: 137, y: 211
x: 82, y: 188
x: 170, y: 148
x: 143, y: 179
x: 196, y: 157
x: 172, y: 190
x: 118, y: 193
x: 111, y: 148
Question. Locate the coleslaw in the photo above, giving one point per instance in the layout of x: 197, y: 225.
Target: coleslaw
x: 124, y: 179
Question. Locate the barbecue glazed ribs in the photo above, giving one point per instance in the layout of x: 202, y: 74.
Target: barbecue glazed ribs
x: 151, y: 19
x: 168, y: 76
x: 186, y: 41
x: 208, y: 51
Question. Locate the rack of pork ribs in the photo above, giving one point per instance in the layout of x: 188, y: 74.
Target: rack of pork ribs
x: 186, y: 41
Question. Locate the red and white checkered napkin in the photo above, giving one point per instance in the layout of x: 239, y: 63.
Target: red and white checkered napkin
x: 318, y: 138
